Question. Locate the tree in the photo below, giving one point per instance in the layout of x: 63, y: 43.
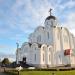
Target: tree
x: 5, y: 61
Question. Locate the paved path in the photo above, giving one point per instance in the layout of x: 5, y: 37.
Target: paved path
x: 2, y: 69
x: 2, y: 73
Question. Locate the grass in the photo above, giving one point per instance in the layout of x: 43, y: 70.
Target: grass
x: 48, y: 72
x: 10, y: 73
x: 72, y: 72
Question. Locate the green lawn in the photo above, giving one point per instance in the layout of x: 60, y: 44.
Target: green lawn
x: 47, y: 72
x: 44, y: 73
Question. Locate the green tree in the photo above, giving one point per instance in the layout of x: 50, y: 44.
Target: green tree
x: 5, y: 61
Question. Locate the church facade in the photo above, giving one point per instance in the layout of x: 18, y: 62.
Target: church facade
x: 49, y: 46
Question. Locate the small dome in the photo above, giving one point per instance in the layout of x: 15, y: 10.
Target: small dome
x: 51, y: 17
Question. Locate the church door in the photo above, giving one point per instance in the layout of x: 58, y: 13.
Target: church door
x: 24, y: 60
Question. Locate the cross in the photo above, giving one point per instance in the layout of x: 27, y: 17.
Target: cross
x: 50, y: 11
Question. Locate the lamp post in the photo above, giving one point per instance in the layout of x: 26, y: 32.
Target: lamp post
x: 18, y: 72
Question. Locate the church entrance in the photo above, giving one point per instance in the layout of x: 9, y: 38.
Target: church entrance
x: 24, y: 60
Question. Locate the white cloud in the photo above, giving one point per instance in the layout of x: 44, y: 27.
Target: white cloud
x: 70, y: 4
x: 25, y: 16
x: 70, y: 21
x: 3, y: 46
x: 61, y: 8
x: 7, y: 48
x: 17, y: 37
x: 36, y: 14
x: 3, y: 31
x: 11, y: 57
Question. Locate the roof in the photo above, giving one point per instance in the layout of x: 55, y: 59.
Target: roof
x: 51, y: 17
x: 39, y: 45
x: 30, y: 44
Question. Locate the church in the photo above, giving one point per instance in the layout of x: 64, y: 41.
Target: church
x: 49, y: 46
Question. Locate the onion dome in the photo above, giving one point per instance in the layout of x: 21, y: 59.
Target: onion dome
x: 51, y: 17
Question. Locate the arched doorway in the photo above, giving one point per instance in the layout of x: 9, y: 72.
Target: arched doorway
x: 24, y: 60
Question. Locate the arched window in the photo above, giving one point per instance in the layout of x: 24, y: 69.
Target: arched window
x: 35, y: 57
x: 60, y: 58
x: 39, y: 38
x: 43, y: 57
x: 48, y: 34
x: 49, y: 57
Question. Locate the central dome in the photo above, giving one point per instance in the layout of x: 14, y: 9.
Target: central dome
x: 51, y: 20
x: 51, y: 17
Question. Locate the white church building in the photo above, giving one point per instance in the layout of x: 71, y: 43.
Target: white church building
x: 49, y: 46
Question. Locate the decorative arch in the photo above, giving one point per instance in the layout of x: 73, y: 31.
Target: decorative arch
x: 43, y: 47
x: 50, y: 55
x: 66, y: 39
x: 66, y: 30
x: 26, y: 44
x: 50, y: 47
x: 39, y: 28
x: 34, y: 45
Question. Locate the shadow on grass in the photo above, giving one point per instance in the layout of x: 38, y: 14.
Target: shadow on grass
x: 11, y: 73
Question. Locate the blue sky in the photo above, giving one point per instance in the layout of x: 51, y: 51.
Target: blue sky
x: 19, y: 18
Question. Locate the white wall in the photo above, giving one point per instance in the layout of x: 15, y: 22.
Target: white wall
x: 59, y: 38
x: 35, y: 51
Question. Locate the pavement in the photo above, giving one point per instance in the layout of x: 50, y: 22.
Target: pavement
x: 1, y: 73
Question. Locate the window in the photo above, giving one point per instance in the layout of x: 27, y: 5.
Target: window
x: 60, y: 58
x: 35, y: 57
x: 39, y: 38
x: 48, y: 34
x: 43, y: 57
x: 49, y: 57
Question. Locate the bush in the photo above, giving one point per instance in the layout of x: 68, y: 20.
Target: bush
x: 5, y: 62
